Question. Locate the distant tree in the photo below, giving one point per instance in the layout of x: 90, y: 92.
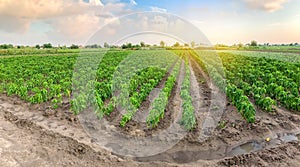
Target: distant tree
x: 6, y: 46
x: 253, y: 43
x: 124, y: 46
x: 73, y: 46
x: 176, y: 44
x: 186, y: 45
x: 240, y: 45
x: 137, y: 46
x: 127, y: 46
x: 37, y: 46
x: 162, y: 44
x: 47, y: 45
x: 9, y: 46
x: 193, y: 44
x: 106, y: 45
x: 142, y: 44
x: 96, y: 46
x: 93, y: 46
x: 296, y: 44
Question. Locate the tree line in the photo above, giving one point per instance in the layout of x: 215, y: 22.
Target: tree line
x: 140, y: 45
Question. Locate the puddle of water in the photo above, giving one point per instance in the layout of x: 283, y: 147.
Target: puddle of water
x: 221, y: 152
x: 246, y: 148
x: 289, y: 137
x: 186, y: 156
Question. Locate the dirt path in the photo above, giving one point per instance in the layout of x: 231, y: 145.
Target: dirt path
x: 30, y: 139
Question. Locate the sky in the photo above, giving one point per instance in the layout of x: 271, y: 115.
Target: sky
x: 66, y: 22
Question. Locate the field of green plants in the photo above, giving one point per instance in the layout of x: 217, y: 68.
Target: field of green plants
x: 122, y: 80
x: 255, y: 81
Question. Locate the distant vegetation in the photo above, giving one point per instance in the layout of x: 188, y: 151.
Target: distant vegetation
x: 252, y: 45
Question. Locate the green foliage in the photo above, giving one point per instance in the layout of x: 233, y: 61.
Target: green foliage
x: 160, y: 103
x: 47, y: 45
x: 188, y: 119
x: 222, y: 124
x: 6, y: 46
x: 267, y: 81
x: 176, y: 44
x: 73, y: 46
x: 242, y: 102
x: 253, y: 43
x: 136, y: 85
x: 37, y: 79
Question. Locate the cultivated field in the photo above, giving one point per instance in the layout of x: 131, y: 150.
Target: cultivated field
x: 219, y: 108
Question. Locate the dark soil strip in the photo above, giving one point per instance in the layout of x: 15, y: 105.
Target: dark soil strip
x: 205, y: 98
x: 174, y: 104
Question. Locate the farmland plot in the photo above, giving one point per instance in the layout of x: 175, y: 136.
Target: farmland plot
x: 262, y: 99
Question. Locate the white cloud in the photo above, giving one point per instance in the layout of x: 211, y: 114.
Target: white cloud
x: 132, y: 2
x: 266, y: 5
x: 96, y: 2
x: 20, y: 14
x: 157, y: 9
x: 13, y: 24
x: 151, y: 27
x: 275, y: 24
x: 76, y: 27
x: 38, y: 9
x: 67, y: 20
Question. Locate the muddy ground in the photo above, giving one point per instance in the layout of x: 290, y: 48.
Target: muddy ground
x: 33, y: 136
x: 37, y: 135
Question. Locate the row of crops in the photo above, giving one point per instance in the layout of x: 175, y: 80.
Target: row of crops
x: 188, y: 116
x: 37, y: 79
x: 253, y: 82
x: 287, y: 57
x: 159, y: 105
x: 41, y: 52
x: 102, y: 81
x: 121, y: 81
x: 137, y: 76
x: 268, y: 82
